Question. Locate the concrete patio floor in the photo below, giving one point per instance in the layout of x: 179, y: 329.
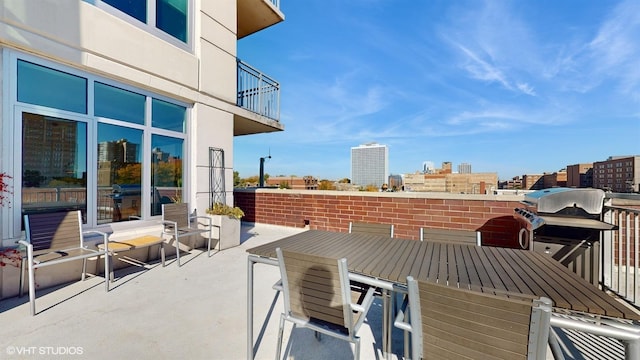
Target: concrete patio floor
x: 197, y: 311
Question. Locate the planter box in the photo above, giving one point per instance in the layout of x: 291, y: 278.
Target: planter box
x: 228, y: 232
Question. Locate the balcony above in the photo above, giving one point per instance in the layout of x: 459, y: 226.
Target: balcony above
x: 255, y: 15
x: 258, y: 102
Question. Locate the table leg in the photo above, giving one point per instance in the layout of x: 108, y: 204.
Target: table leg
x: 250, y: 308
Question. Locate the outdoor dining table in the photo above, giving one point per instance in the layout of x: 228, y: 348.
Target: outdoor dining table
x: 386, y: 262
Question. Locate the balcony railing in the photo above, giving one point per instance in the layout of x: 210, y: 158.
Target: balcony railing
x: 258, y: 92
x: 620, y: 253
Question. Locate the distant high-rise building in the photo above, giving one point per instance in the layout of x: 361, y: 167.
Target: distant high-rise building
x: 555, y: 179
x: 618, y: 174
x: 395, y: 182
x: 464, y: 168
x: 121, y: 151
x: 446, y: 167
x: 533, y: 181
x: 580, y: 175
x: 428, y: 167
x: 369, y: 164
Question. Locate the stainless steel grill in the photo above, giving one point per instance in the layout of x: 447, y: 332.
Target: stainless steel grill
x: 565, y: 224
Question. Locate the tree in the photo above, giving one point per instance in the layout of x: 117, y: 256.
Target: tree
x: 326, y: 185
x: 236, y: 179
x: 370, y: 187
x: 345, y: 181
x: 285, y: 185
x: 129, y: 174
x: 167, y: 173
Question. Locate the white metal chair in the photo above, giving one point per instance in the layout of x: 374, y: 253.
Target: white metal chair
x: 55, y: 238
x: 452, y: 323
x: 178, y: 222
x: 318, y: 296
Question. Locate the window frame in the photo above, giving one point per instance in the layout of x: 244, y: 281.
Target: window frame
x: 150, y: 25
x: 12, y: 137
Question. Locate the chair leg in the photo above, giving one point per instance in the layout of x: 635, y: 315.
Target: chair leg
x: 162, y: 253
x: 385, y: 322
x: 112, y: 275
x: 84, y: 268
x: 107, y: 265
x: 357, y: 349
x: 280, y: 331
x: 178, y: 250
x: 317, y: 335
x: 21, y: 281
x: 32, y: 289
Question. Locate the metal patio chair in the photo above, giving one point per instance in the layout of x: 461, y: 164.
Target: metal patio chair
x: 451, y: 236
x: 55, y: 238
x: 318, y: 296
x: 452, y: 323
x: 178, y: 222
x: 371, y: 228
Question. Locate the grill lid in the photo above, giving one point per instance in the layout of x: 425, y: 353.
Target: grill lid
x: 554, y: 200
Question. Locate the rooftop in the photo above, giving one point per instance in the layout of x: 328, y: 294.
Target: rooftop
x: 196, y: 311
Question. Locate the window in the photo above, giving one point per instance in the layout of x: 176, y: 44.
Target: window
x: 106, y: 155
x: 137, y: 9
x: 131, y: 105
x: 168, y: 16
x: 41, y: 85
x: 168, y: 116
x: 171, y: 17
x: 54, y: 164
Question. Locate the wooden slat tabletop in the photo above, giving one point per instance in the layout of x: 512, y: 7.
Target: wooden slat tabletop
x: 477, y: 268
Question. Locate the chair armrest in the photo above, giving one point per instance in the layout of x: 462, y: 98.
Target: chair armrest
x: 366, y: 302
x: 400, y: 321
x: 364, y: 306
x: 166, y: 223
x: 25, y: 243
x: 207, y: 219
x: 278, y: 286
x: 105, y: 236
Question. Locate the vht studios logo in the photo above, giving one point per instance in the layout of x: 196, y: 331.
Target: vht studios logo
x: 45, y: 350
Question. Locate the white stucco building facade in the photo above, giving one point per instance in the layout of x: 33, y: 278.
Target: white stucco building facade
x: 111, y: 108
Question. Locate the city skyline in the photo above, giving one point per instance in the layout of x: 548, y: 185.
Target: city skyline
x: 446, y: 82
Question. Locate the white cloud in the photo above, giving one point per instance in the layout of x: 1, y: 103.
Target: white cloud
x: 615, y: 50
x: 526, y: 89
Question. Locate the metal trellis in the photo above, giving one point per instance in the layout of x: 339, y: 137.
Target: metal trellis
x: 217, y: 189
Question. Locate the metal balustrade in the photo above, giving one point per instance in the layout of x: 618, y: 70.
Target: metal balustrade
x: 258, y: 92
x: 52, y: 199
x: 620, y: 253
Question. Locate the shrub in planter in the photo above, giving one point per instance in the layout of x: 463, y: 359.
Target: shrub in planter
x: 226, y: 219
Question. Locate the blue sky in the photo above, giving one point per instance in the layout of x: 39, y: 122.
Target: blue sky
x: 513, y: 87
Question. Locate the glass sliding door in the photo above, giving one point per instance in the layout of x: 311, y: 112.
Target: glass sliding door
x: 83, y: 142
x: 54, y: 164
x: 119, y: 173
x: 166, y: 171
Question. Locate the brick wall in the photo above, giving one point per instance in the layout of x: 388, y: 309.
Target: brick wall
x: 492, y: 215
